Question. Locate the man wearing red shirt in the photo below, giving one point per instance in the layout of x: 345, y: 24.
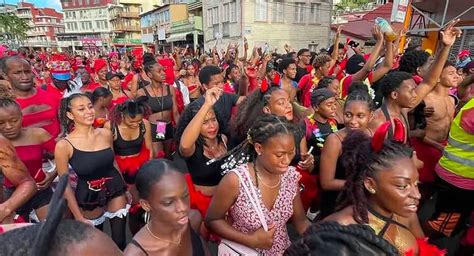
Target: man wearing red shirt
x: 39, y: 107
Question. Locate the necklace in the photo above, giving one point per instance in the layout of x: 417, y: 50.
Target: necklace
x: 159, y: 238
x: 263, y: 182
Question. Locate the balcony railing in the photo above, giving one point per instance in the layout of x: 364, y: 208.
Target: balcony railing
x: 24, y: 15
x: 124, y: 28
x: 131, y: 15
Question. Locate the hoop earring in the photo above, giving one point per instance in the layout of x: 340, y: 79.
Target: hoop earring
x: 146, y: 217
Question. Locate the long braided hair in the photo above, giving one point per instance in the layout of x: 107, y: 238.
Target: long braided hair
x: 331, y: 238
x: 361, y: 162
x: 65, y: 107
x: 265, y: 127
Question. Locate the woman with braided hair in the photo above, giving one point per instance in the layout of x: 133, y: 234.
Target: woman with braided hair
x: 381, y: 189
x: 331, y: 238
x: 262, y: 164
x: 132, y: 147
x: 100, y: 191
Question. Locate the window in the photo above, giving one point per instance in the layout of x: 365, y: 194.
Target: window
x: 215, y: 15
x: 225, y: 13
x: 261, y: 7
x: 225, y: 29
x: 315, y: 13
x: 277, y: 11
x: 299, y: 12
x: 233, y: 12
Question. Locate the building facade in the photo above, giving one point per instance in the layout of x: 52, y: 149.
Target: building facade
x: 267, y: 23
x: 125, y: 21
x: 156, y: 24
x: 87, y: 25
x: 46, y: 24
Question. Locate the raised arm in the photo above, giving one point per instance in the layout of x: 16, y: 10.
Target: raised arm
x: 387, y: 63
x: 187, y: 143
x: 448, y: 37
x: 335, y: 51
x: 369, y: 65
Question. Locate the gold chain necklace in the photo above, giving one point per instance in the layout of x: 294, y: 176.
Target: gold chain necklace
x: 265, y: 184
x: 159, y: 238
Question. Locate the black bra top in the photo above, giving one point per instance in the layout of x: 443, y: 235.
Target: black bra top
x: 196, y: 244
x: 129, y: 147
x: 159, y: 104
x: 203, y: 171
x: 92, y: 165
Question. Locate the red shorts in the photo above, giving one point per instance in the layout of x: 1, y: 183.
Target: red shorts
x: 199, y: 201
x: 430, y: 157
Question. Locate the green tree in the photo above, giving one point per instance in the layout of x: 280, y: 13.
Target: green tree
x: 13, y: 27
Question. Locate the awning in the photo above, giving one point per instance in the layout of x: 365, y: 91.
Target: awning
x: 177, y: 37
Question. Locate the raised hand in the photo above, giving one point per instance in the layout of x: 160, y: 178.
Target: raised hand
x: 449, y: 34
x: 339, y: 30
x: 212, y: 96
x: 377, y: 33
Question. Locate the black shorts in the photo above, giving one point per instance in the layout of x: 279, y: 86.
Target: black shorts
x: 168, y: 134
x: 40, y: 199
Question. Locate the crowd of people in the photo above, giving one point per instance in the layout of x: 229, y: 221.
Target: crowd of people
x: 185, y: 151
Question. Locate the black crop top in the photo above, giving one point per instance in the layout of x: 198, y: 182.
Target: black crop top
x: 159, y: 104
x: 201, y: 173
x: 129, y: 147
x: 92, y: 165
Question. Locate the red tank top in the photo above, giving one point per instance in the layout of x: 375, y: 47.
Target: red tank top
x: 49, y: 114
x: 32, y: 157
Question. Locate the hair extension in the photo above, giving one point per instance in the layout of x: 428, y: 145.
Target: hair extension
x: 331, y: 238
x: 361, y: 162
x: 130, y: 108
x: 65, y: 107
x: 265, y: 127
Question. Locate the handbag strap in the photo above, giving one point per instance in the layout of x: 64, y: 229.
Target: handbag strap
x: 253, y: 198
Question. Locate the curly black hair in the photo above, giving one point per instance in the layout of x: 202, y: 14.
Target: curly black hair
x: 326, y: 81
x: 361, y: 162
x: 412, y: 60
x: 392, y: 81
x: 331, y: 238
x: 249, y: 110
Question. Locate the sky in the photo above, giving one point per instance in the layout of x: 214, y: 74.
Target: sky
x: 38, y: 3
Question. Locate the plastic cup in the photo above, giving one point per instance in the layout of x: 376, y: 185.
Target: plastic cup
x: 386, y: 29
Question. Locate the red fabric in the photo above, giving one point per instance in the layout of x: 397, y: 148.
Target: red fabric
x: 99, y: 64
x: 32, y: 157
x: 114, y: 66
x: 168, y: 66
x: 91, y: 87
x: 311, y: 192
x: 99, y: 122
x: 130, y: 165
x: 309, y: 68
x: 429, y: 156
x: 228, y: 88
x: 118, y: 101
x: 307, y: 87
x: 127, y: 80
x: 179, y: 102
x: 253, y: 84
x: 42, y: 98
x: 199, y: 201
x: 426, y: 249
x: 54, y: 90
x: 346, y: 83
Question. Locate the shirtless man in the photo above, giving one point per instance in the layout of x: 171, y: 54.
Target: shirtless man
x: 400, y: 91
x: 15, y: 171
x: 431, y: 146
x: 287, y: 69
